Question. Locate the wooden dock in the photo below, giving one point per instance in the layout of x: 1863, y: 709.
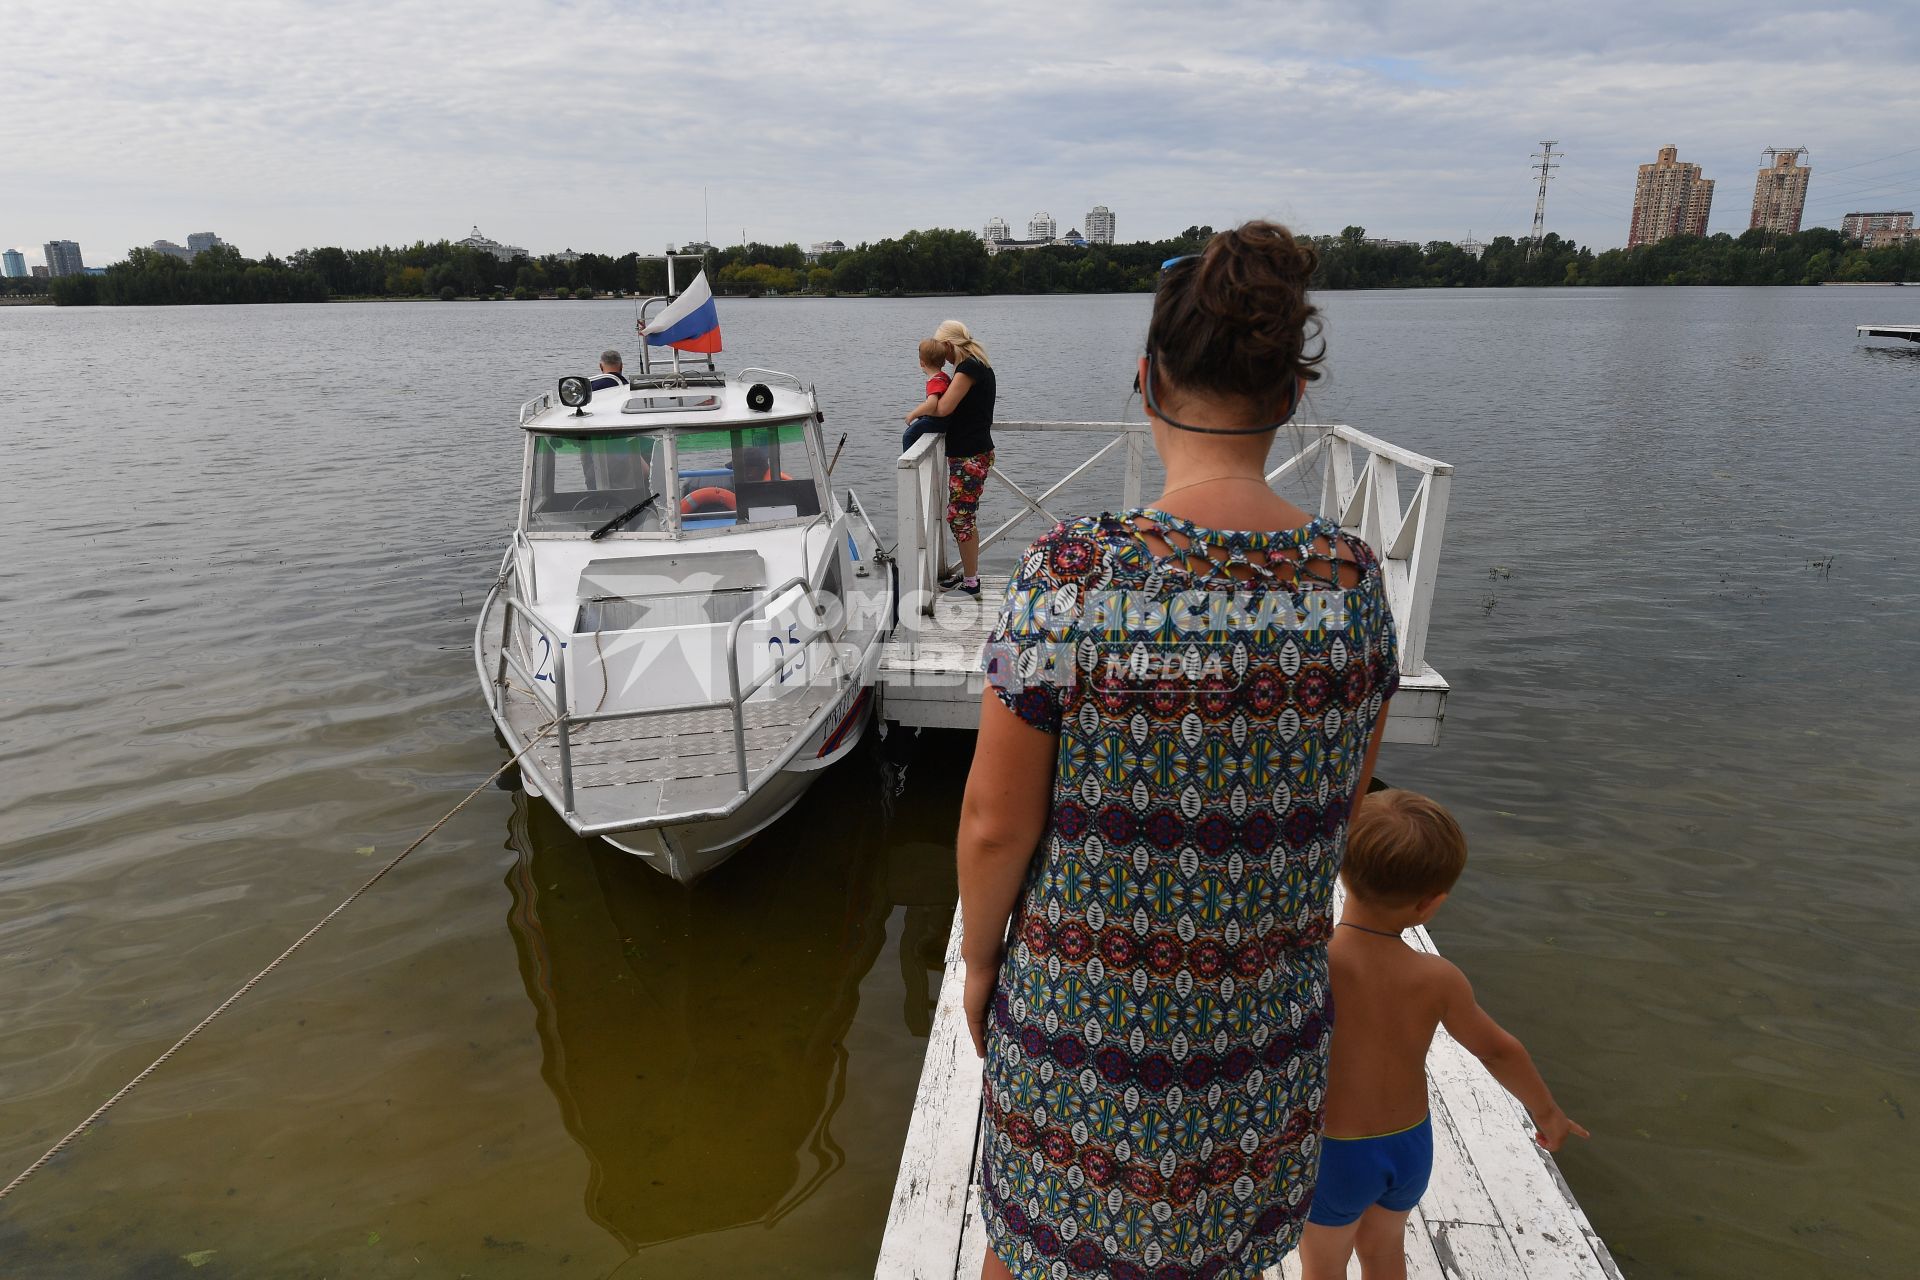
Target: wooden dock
x: 1907, y: 332
x: 1497, y: 1208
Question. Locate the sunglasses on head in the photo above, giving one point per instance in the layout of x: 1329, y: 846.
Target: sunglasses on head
x: 1153, y: 407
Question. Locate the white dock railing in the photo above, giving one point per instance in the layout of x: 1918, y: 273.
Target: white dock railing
x: 1363, y: 493
x: 1359, y: 485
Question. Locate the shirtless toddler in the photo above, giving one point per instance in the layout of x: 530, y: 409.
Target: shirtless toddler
x: 1404, y: 853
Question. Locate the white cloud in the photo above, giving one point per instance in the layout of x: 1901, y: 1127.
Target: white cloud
x: 596, y: 124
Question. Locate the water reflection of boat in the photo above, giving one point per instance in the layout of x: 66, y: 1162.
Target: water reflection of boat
x: 696, y: 1040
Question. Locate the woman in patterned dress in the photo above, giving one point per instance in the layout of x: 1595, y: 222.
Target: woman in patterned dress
x: 1184, y: 701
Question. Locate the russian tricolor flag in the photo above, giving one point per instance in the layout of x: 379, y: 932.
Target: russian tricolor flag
x: 689, y: 323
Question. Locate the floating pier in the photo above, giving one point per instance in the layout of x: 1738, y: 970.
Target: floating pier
x: 1907, y: 332
x: 1497, y: 1208
x: 930, y: 672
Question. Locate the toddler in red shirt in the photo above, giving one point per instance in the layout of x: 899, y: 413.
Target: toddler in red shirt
x: 933, y: 360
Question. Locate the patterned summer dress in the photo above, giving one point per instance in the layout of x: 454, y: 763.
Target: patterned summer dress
x: 1157, y: 1043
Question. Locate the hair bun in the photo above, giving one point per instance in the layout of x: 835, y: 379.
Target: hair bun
x: 1239, y: 324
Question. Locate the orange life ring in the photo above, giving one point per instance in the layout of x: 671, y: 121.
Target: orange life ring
x: 708, y: 501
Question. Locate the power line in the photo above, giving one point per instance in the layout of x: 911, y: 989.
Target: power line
x: 1876, y: 160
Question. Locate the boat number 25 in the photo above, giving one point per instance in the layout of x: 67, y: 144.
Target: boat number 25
x: 781, y: 645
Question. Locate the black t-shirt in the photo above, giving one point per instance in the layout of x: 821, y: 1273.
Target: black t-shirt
x: 970, y: 425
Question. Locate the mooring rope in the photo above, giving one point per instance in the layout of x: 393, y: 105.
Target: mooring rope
x: 254, y: 981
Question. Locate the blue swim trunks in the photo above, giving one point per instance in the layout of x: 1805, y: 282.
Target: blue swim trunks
x: 1390, y: 1170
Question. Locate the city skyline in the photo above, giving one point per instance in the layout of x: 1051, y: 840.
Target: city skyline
x: 308, y: 126
x: 1776, y: 206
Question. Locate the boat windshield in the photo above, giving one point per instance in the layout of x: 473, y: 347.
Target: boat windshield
x: 581, y: 482
x: 745, y: 475
x: 727, y: 476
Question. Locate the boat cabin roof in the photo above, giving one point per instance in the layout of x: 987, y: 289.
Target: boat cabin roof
x: 690, y: 399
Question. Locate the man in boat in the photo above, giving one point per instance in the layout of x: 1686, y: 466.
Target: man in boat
x: 610, y: 374
x: 623, y: 466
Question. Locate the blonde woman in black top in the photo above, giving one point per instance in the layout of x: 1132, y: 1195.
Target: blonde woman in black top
x: 967, y: 412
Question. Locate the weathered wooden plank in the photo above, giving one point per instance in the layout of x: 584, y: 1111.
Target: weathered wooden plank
x: 925, y: 1224
x: 973, y: 1233
x: 1545, y: 1225
x: 1472, y: 1251
x: 1547, y: 1229
x: 1456, y: 1192
x: 1421, y: 1262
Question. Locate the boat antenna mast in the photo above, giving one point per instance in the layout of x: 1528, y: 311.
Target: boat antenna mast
x: 1544, y: 164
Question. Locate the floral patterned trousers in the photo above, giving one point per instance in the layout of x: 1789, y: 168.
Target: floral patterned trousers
x: 966, y: 481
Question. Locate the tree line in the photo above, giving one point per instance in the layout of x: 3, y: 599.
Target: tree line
x: 1818, y: 255
x: 947, y: 261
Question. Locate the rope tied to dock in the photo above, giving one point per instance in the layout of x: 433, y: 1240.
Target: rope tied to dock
x: 275, y: 963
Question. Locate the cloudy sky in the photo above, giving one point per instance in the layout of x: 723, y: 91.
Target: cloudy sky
x: 598, y: 124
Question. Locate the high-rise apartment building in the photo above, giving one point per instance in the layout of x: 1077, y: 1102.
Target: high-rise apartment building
x: 13, y: 264
x: 63, y: 258
x: 1041, y: 226
x: 1875, y: 229
x: 201, y: 241
x: 997, y: 230
x: 1780, y: 192
x: 1670, y: 199
x: 172, y: 250
x: 1099, y: 225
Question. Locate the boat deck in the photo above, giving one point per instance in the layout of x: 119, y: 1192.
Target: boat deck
x: 1496, y: 1209
x: 669, y: 762
x: 1909, y: 332
x: 675, y: 761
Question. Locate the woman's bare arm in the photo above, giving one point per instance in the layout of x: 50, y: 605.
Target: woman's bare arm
x: 1002, y: 818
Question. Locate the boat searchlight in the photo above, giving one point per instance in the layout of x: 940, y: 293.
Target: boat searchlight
x: 574, y: 393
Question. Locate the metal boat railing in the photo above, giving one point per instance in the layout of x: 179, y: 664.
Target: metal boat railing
x: 770, y: 375
x: 1359, y: 487
x: 565, y: 720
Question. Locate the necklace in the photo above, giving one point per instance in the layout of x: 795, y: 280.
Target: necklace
x: 1259, y: 480
x: 1378, y: 933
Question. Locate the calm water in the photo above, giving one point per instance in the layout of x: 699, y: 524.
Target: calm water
x: 245, y: 547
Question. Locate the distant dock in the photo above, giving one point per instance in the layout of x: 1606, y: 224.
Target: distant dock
x: 1905, y: 332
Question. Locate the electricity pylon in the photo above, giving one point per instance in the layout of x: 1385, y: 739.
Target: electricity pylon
x: 1544, y: 159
